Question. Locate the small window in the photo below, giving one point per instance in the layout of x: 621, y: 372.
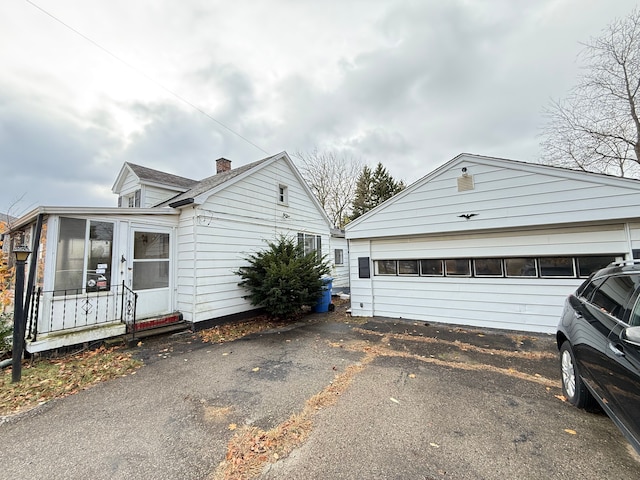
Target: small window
x: 431, y: 268
x: 408, y: 267
x: 520, y: 267
x: 488, y: 267
x: 556, y: 267
x: 588, y: 265
x: 458, y: 267
x: 386, y: 267
x: 283, y: 194
x: 338, y: 256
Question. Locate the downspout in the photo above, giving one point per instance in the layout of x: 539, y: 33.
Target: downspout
x: 195, y: 261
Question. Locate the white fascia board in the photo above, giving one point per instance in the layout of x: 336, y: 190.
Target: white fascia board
x: 124, y: 171
x: 88, y: 211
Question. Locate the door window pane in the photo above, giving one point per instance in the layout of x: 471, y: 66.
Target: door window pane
x: 148, y: 245
x: 153, y: 274
x: 150, y: 260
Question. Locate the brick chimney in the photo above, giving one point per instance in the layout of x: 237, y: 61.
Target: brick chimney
x: 222, y: 165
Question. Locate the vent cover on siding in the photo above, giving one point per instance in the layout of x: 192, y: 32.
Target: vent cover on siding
x: 465, y: 182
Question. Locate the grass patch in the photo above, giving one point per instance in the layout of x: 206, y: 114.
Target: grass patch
x: 59, y: 377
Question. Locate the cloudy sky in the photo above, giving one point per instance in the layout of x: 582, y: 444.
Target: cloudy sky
x: 174, y: 85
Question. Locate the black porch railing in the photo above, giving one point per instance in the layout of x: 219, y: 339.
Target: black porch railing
x: 59, y: 310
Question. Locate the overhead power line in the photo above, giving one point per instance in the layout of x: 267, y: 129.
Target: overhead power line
x: 145, y: 75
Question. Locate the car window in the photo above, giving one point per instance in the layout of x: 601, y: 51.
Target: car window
x: 587, y: 288
x: 613, y: 294
x: 634, y: 318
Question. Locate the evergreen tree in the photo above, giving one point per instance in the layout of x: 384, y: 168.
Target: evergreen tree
x: 282, y: 278
x: 373, y: 188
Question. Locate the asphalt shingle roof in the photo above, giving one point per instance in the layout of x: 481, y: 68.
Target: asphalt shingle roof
x: 213, y: 181
x: 156, y: 176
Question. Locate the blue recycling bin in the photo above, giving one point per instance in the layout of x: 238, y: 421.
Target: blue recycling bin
x: 325, y: 300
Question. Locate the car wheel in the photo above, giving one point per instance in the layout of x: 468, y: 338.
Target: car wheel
x: 573, y: 387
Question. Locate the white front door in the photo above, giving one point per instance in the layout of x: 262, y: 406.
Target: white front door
x: 150, y: 274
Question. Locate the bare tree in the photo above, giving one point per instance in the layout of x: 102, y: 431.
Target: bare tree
x: 597, y: 127
x: 332, y: 178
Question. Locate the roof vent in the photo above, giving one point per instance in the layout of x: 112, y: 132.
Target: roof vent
x: 465, y: 182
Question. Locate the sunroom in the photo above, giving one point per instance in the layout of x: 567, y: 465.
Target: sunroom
x: 95, y: 273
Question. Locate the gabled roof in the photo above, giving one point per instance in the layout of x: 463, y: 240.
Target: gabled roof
x: 150, y: 176
x: 202, y: 190
x: 531, y: 194
x: 210, y: 183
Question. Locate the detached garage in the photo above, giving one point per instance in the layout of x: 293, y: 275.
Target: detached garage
x: 490, y: 242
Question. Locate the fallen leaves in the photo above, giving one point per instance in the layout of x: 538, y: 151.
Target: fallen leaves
x: 46, y: 379
x: 570, y: 432
x: 251, y: 448
x: 234, y: 331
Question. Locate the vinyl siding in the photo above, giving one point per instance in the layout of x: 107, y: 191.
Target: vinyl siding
x: 230, y: 225
x: 154, y: 195
x: 340, y: 273
x: 505, y: 195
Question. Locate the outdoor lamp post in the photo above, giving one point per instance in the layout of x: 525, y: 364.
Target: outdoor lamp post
x: 22, y: 253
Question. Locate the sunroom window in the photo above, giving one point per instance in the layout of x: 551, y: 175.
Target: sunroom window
x: 84, y: 255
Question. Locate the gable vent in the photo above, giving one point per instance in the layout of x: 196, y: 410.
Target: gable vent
x: 465, y: 182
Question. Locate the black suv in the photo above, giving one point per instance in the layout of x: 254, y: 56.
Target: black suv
x: 599, y: 342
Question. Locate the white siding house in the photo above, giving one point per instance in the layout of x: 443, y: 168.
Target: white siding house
x: 490, y: 242
x: 167, y: 253
x: 221, y: 222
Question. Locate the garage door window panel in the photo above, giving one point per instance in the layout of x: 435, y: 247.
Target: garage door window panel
x: 408, y: 267
x: 431, y: 268
x: 557, y: 267
x: 588, y: 265
x: 459, y: 267
x: 521, y: 267
x: 488, y: 267
x: 386, y: 267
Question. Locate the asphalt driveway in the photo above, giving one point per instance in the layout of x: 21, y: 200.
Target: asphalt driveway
x: 427, y: 402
